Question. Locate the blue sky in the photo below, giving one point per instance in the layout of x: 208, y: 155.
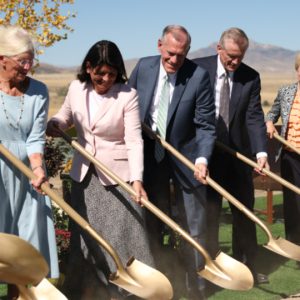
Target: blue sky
x: 136, y: 25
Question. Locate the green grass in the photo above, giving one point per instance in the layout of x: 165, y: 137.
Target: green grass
x: 2, y: 290
x: 283, y: 273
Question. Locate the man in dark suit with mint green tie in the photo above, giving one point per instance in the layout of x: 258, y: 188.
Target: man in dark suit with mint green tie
x: 240, y: 125
x: 187, y: 121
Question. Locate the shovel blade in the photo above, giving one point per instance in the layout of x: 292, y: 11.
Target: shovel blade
x: 43, y: 291
x: 284, y: 247
x: 143, y: 281
x: 228, y: 273
x: 20, y: 262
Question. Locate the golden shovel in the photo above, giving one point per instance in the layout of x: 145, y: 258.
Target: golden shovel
x: 137, y: 278
x: 43, y: 291
x: 22, y: 265
x: 278, y: 245
x: 223, y: 271
x: 286, y: 143
x: 20, y: 262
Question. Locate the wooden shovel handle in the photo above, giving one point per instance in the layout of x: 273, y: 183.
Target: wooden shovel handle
x: 255, y: 165
x: 209, y: 180
x: 127, y: 187
x: 286, y: 143
x: 63, y: 205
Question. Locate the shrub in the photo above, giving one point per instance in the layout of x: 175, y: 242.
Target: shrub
x: 61, y: 221
x: 57, y: 158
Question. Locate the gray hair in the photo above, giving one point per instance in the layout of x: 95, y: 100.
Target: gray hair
x: 235, y: 34
x: 297, y: 61
x: 14, y: 40
x: 174, y: 29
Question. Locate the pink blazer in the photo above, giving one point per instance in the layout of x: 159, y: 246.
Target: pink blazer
x: 113, y: 137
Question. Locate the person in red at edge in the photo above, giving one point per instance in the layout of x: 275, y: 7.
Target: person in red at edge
x: 287, y: 106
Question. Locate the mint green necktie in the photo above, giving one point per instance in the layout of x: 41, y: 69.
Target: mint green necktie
x: 163, y: 106
x: 223, y: 119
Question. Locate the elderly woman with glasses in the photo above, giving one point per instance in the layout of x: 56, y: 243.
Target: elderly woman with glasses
x: 24, y: 210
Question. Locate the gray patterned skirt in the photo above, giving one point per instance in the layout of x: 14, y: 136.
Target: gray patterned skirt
x: 116, y: 217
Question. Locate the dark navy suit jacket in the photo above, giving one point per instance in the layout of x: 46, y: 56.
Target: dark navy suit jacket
x: 191, y: 115
x: 247, y: 131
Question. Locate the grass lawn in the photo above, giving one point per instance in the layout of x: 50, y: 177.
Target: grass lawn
x: 284, y: 274
x: 2, y: 290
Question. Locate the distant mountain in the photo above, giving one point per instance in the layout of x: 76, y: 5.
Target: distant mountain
x: 262, y: 57
x: 44, y: 68
x: 130, y: 64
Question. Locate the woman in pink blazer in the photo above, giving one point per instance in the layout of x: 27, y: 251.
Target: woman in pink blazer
x: 105, y: 114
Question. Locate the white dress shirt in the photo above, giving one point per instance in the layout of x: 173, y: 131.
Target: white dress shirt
x: 157, y: 92
x: 218, y: 84
x: 217, y: 89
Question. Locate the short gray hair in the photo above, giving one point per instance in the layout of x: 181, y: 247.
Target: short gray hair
x: 235, y: 34
x: 297, y: 61
x: 174, y: 29
x: 14, y: 40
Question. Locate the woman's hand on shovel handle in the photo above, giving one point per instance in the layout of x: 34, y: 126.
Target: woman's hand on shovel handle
x: 270, y: 129
x: 139, y: 190
x: 40, y: 174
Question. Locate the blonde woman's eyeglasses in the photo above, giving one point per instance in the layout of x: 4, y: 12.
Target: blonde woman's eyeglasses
x: 23, y: 63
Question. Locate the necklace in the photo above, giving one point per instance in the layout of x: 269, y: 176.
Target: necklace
x: 17, y: 125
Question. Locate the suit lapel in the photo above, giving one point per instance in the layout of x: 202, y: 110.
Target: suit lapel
x: 235, y: 97
x: 84, y: 105
x: 179, y: 88
x: 149, y: 89
x: 236, y: 87
x: 180, y: 85
x: 212, y: 70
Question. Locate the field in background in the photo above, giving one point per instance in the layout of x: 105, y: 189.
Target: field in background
x: 270, y: 85
x: 58, y: 86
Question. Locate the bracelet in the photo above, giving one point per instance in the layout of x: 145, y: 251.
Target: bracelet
x: 40, y: 166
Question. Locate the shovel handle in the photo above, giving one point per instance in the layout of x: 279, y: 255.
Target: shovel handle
x: 128, y: 188
x: 255, y: 165
x: 286, y: 143
x: 209, y: 180
x: 63, y: 205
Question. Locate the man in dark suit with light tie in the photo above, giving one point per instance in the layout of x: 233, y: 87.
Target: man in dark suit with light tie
x: 240, y: 125
x: 189, y: 125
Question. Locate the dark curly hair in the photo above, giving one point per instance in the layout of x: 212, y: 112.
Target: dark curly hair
x: 103, y: 53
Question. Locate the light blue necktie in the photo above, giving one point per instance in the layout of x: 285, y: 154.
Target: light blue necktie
x: 163, y: 106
